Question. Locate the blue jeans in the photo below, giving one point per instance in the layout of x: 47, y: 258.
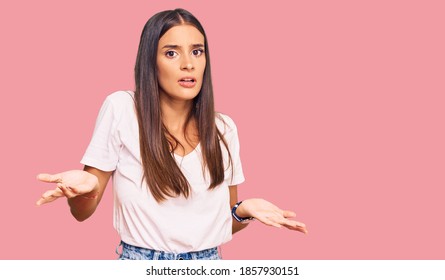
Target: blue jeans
x: 130, y: 252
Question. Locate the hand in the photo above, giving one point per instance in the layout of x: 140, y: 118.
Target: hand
x: 69, y: 184
x: 269, y: 214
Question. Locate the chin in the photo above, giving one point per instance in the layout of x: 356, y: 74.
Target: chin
x: 182, y: 94
x: 188, y: 95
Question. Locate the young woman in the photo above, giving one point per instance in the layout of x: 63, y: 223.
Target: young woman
x: 174, y: 161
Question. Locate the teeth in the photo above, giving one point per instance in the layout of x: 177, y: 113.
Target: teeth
x: 187, y: 80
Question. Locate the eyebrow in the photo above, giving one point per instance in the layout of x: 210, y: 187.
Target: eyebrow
x: 179, y: 47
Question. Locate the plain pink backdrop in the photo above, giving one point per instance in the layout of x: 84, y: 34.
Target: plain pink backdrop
x: 339, y: 106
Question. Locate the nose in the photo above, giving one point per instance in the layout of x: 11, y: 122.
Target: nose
x: 187, y: 64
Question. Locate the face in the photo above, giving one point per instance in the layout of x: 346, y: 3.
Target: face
x: 181, y: 62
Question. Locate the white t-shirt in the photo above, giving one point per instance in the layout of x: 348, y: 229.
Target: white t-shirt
x: 176, y: 225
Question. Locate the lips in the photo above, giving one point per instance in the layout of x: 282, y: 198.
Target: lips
x: 187, y: 82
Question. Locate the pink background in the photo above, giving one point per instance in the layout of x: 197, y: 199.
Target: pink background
x: 339, y: 105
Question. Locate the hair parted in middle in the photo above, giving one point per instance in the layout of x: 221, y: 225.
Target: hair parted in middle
x: 160, y: 170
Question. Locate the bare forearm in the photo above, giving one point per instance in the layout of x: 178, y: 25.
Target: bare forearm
x: 237, y: 226
x: 82, y: 207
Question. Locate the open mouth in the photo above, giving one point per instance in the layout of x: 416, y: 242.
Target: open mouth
x: 187, y: 82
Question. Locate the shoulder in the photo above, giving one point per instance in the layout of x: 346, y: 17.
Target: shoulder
x: 119, y: 102
x: 120, y: 98
x: 116, y: 105
x: 224, y: 123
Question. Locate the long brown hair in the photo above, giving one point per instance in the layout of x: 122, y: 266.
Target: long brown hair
x: 161, y: 172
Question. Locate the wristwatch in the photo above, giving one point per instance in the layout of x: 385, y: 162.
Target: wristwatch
x: 238, y: 218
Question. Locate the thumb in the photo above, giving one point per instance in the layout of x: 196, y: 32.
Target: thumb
x: 289, y: 214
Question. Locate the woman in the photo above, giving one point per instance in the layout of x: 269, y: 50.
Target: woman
x: 175, y: 162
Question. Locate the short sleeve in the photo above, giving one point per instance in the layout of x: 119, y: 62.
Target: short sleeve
x: 103, y: 150
x: 231, y: 136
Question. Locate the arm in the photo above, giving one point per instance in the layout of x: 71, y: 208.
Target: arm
x: 84, y: 189
x: 264, y: 211
x: 83, y: 206
x: 269, y: 214
x: 236, y: 226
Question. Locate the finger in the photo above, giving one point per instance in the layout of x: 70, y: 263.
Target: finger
x: 282, y: 217
x: 86, y: 194
x: 49, y: 196
x: 52, y: 195
x: 66, y: 191
x: 294, y: 225
x: 273, y: 224
x: 44, y: 177
x: 277, y: 225
x: 285, y: 213
x: 269, y: 222
x: 79, y: 189
x: 299, y: 229
x: 290, y: 224
x: 56, y: 193
x: 289, y: 214
x: 45, y: 200
x: 75, y: 190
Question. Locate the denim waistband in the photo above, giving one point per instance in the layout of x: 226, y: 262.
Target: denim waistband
x: 130, y: 252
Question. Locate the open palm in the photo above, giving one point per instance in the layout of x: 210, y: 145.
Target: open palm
x: 271, y: 215
x: 69, y: 184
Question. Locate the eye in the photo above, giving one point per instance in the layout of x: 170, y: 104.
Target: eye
x: 198, y: 52
x: 171, y: 54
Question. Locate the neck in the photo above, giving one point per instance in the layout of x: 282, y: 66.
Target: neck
x: 174, y: 113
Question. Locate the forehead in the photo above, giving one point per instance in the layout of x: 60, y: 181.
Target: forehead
x: 181, y: 35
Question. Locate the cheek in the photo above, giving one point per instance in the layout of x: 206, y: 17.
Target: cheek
x: 202, y: 68
x: 164, y: 75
